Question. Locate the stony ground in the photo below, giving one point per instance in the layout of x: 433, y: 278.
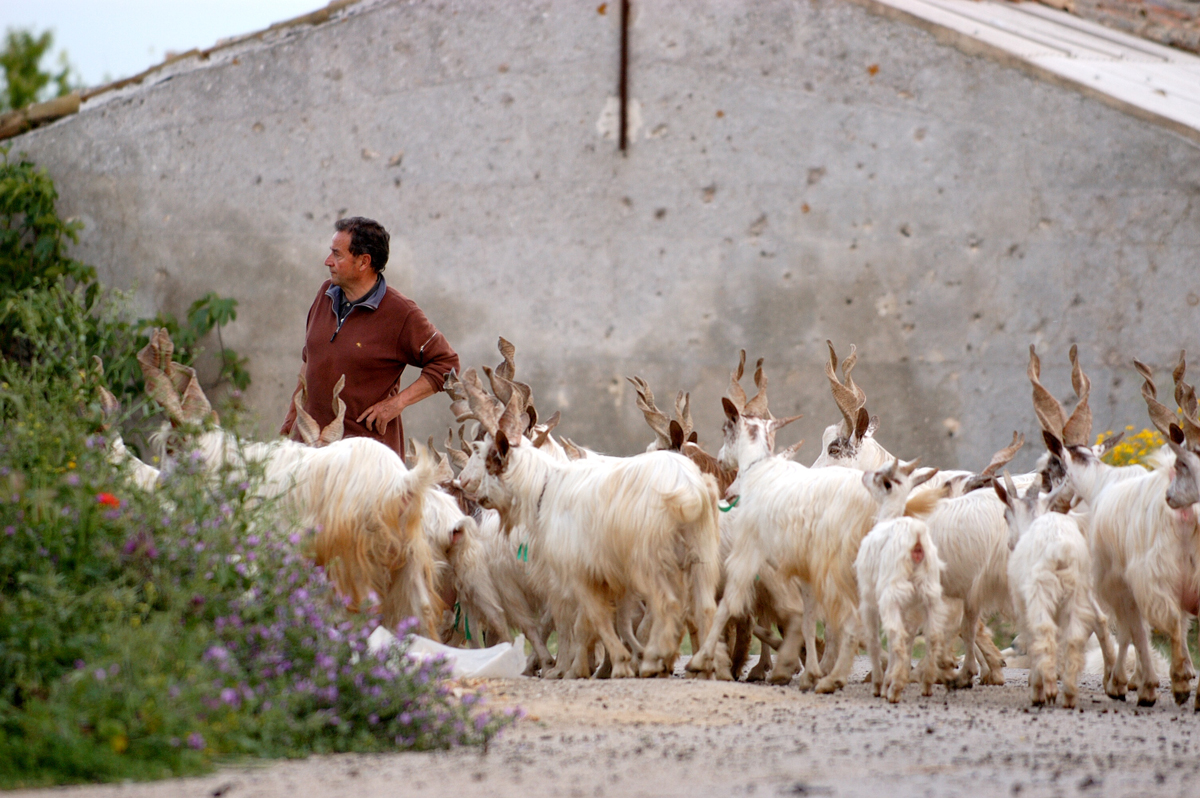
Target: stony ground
x: 681, y: 737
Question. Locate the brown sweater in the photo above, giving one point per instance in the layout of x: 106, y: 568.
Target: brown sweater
x: 371, y: 349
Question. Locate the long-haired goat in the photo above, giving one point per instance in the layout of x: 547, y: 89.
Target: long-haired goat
x: 807, y: 523
x: 1144, y: 544
x: 644, y: 525
x: 1049, y: 575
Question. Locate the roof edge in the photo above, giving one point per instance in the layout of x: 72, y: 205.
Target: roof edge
x: 972, y: 46
x: 17, y: 122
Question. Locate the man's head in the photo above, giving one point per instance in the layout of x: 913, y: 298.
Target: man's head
x: 358, y: 252
x: 365, y: 237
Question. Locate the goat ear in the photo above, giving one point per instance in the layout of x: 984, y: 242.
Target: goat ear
x: 1177, y: 435
x: 731, y: 411
x: 779, y: 423
x: 1107, y: 445
x: 676, y: 436
x: 1009, y: 486
x: 862, y: 424
x: 1053, y: 444
x: 1001, y: 492
x: 502, y: 444
x: 693, y: 438
x: 923, y: 478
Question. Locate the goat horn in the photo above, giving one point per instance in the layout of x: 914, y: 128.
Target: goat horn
x: 683, y: 412
x: 1178, y: 374
x: 844, y: 396
x: 790, y: 452
x: 514, y: 421
x: 758, y: 405
x: 306, y: 425
x: 655, y: 418
x: 1160, y: 416
x: 507, y: 369
x: 1077, y: 431
x: 335, y: 429
x: 1185, y: 397
x: 848, y: 364
x: 736, y: 394
x: 1049, y: 412
x: 486, y: 409
x: 1004, y: 456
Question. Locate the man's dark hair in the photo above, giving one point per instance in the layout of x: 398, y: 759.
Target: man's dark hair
x: 367, y: 237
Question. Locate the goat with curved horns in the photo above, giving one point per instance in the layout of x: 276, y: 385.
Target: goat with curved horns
x: 807, y: 523
x: 644, y: 526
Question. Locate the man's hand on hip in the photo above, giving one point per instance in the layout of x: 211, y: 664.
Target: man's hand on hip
x: 380, y: 414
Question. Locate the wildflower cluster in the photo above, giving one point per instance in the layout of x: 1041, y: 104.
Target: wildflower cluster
x: 145, y: 635
x: 1135, y: 449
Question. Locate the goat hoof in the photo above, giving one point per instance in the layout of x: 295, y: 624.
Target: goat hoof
x: 1181, y: 698
x: 994, y: 678
x: 1146, y: 701
x: 829, y: 685
x: 1117, y: 696
x: 756, y: 676
x: 779, y: 678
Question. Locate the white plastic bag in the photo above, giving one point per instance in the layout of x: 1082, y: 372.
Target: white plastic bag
x: 503, y: 661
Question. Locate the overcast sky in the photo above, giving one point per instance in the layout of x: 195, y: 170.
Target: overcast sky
x: 112, y: 39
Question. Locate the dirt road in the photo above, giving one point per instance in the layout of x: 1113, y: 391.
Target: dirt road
x: 681, y: 737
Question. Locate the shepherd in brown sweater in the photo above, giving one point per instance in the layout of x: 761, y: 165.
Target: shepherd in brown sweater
x: 360, y: 327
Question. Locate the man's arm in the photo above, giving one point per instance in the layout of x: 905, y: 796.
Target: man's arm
x: 420, y: 345
x: 380, y: 414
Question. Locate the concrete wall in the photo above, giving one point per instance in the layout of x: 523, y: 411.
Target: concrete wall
x: 941, y: 211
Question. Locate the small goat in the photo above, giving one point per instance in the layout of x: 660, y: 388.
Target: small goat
x: 899, y: 583
x: 1049, y: 575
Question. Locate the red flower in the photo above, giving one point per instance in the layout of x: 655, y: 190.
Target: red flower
x: 108, y: 500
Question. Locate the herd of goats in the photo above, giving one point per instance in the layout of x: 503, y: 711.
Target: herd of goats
x: 621, y: 556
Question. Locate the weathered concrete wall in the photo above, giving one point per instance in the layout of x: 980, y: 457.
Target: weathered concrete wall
x: 943, y: 212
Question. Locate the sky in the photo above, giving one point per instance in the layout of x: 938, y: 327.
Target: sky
x: 112, y: 39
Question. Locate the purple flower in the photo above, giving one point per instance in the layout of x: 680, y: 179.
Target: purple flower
x: 195, y: 740
x: 99, y: 674
x: 10, y: 531
x: 230, y: 696
x: 72, y: 479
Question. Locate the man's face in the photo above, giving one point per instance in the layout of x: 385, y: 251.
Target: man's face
x: 345, y: 270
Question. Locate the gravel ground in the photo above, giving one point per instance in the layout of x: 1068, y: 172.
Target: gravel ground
x: 683, y: 737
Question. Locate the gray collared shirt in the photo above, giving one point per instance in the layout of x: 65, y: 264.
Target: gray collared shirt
x: 342, y: 307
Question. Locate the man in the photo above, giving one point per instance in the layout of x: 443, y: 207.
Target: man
x: 360, y: 327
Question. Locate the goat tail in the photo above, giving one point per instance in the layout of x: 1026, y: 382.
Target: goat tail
x: 704, y: 561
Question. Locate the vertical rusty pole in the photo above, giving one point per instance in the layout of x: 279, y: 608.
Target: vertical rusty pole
x: 623, y: 83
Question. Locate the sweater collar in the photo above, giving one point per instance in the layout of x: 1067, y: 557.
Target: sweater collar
x: 370, y: 300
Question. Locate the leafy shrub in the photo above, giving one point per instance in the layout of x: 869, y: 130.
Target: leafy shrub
x: 53, y: 310
x: 147, y: 635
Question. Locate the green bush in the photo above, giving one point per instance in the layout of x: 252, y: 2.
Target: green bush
x: 146, y: 635
x: 53, y: 310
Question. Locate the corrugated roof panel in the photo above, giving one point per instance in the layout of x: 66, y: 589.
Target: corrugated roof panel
x: 1133, y: 71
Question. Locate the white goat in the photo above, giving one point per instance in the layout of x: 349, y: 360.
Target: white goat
x: 1049, y: 575
x: 899, y: 583
x: 645, y: 525
x: 807, y: 523
x: 1143, y: 552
